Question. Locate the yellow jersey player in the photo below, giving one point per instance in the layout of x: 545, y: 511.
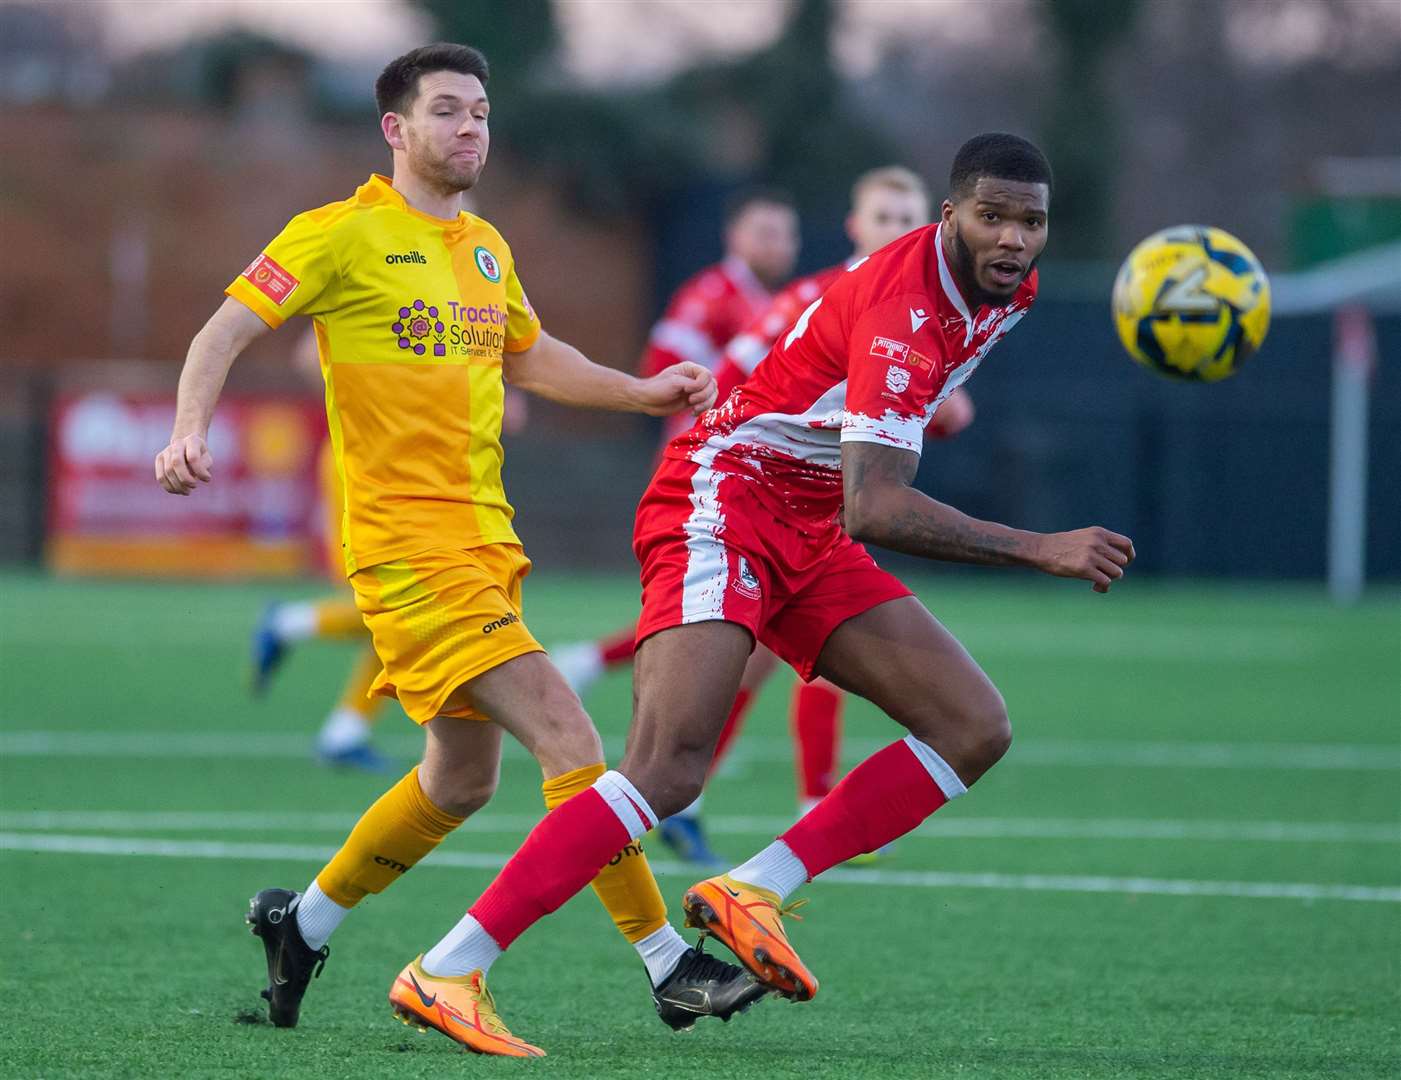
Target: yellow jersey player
x: 420, y: 314
x: 344, y: 738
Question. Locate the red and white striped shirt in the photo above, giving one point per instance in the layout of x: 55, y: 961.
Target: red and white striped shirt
x: 870, y: 360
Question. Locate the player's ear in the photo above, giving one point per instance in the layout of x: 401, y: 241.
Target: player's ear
x: 393, y: 128
x: 946, y: 211
x: 850, y: 226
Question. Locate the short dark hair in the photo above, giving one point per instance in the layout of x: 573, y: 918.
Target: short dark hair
x: 397, y: 85
x: 744, y: 198
x: 997, y: 154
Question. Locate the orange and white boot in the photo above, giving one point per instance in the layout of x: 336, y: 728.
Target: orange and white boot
x: 459, y: 1006
x: 748, y: 920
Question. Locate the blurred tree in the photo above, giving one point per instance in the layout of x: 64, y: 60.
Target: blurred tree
x: 776, y: 115
x: 1082, y: 126
x: 516, y: 37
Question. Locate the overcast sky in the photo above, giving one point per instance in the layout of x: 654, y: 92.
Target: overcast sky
x: 646, y: 38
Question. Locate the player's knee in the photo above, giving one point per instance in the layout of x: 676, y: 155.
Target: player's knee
x: 991, y: 731
x: 669, y: 782
x: 469, y: 796
x: 566, y: 739
x: 673, y: 792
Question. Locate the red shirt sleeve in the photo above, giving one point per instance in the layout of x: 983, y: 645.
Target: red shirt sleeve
x: 892, y: 377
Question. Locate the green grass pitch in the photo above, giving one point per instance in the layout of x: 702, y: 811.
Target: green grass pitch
x: 1188, y: 866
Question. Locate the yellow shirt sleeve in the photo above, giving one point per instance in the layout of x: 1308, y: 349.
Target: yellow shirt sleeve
x: 522, y: 324
x: 296, y: 274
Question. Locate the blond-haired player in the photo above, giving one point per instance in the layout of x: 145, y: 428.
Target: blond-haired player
x: 419, y: 314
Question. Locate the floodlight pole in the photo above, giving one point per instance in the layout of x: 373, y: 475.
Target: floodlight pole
x: 1354, y: 359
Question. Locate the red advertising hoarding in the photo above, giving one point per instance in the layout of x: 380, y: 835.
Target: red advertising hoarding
x: 107, y: 514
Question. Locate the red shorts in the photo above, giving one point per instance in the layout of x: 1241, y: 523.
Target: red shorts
x: 711, y: 549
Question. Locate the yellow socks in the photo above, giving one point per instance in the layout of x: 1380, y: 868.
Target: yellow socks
x: 356, y: 695
x: 626, y: 885
x: 394, y: 834
x: 338, y: 618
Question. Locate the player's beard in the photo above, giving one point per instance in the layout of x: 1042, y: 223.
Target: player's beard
x: 965, y: 267
x: 447, y: 177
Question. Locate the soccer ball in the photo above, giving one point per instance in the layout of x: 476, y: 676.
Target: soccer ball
x: 1192, y: 302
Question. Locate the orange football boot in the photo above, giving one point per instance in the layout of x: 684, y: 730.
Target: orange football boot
x: 460, y: 1007
x: 749, y: 921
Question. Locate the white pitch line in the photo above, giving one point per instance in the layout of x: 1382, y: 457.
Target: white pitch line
x: 1329, y: 832
x: 1147, y: 642
x: 1061, y: 753
x: 126, y: 846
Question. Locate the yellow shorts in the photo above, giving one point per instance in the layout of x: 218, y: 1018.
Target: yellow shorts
x: 440, y: 618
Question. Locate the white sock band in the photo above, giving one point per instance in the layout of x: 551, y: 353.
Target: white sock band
x: 294, y: 622
x: 343, y: 729
x: 939, y: 770
x: 775, y: 868
x: 465, y: 949
x: 626, y: 801
x: 660, y: 950
x: 318, y: 916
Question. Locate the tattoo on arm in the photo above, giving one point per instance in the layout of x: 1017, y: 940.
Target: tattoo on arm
x: 891, y: 513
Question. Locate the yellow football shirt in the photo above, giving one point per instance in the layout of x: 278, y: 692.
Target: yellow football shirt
x: 412, y: 315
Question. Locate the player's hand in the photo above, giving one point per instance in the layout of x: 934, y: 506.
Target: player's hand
x: 1095, y: 555
x: 184, y: 464
x: 681, y: 386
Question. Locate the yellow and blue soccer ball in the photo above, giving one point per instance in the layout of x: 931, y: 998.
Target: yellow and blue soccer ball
x: 1192, y: 302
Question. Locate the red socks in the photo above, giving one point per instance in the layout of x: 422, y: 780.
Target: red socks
x: 561, y: 855
x: 619, y: 648
x: 883, y: 798
x: 817, y: 731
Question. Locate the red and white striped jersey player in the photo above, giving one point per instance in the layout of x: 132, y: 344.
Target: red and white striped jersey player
x: 740, y: 536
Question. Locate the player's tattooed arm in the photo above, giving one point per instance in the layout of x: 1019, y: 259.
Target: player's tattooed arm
x: 881, y: 507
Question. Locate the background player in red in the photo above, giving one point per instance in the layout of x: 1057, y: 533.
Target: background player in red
x: 740, y: 536
x: 702, y: 317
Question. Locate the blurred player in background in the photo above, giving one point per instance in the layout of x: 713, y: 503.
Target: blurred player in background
x: 702, y: 317
x: 344, y: 736
x: 886, y: 203
x: 751, y: 530
x: 419, y: 314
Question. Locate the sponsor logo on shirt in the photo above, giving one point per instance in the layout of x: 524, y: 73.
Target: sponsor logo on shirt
x: 418, y: 326
x: 746, y: 583
x: 460, y: 330
x: 919, y: 361
x: 887, y: 349
x: 407, y: 257
x: 270, y: 279
x: 487, y: 264
x: 897, y: 379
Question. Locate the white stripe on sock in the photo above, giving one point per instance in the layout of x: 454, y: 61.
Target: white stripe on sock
x: 626, y: 801
x: 939, y: 769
